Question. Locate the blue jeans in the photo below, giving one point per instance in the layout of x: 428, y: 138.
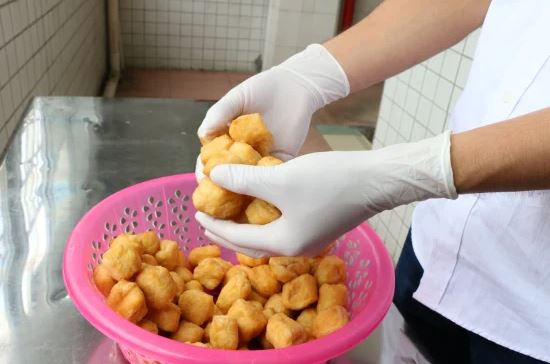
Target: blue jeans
x: 439, y: 339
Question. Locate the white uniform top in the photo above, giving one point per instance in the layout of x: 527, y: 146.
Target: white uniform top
x: 486, y: 257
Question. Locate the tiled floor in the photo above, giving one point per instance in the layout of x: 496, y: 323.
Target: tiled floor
x: 335, y: 125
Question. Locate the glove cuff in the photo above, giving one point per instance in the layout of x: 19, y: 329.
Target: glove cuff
x: 321, y: 71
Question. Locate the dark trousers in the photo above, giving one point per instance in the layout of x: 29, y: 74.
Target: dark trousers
x: 441, y: 340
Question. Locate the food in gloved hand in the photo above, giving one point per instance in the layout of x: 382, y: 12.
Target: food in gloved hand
x: 221, y: 157
x: 250, y: 129
x: 245, y: 153
x: 172, y: 295
x: 217, y: 201
x: 260, y: 212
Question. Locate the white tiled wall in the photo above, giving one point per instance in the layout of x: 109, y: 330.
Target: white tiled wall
x: 193, y: 34
x: 416, y: 105
x: 294, y: 24
x: 48, y: 47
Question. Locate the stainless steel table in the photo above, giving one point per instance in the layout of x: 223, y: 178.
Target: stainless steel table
x: 67, y: 155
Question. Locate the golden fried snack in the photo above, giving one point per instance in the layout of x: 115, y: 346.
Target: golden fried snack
x: 250, y: 129
x: 184, y: 273
x: 237, y: 270
x: 269, y: 161
x: 257, y: 304
x: 329, y: 320
x: 157, y: 285
x: 168, y: 255
x: 275, y: 303
x: 196, y: 306
x: 221, y: 157
x: 263, y: 281
x: 268, y: 312
x: 288, y: 268
x: 255, y: 296
x: 300, y: 292
x: 282, y: 331
x: 203, y: 252
x: 237, y: 287
x: 224, y: 333
x: 265, y: 343
x: 122, y: 261
x: 149, y: 259
x: 207, y: 139
x: 243, y: 348
x: 217, y: 311
x: 251, y: 262
x: 216, y: 201
x: 182, y: 260
x: 241, y: 219
x: 180, y: 283
x: 129, y: 240
x: 103, y: 280
x: 149, y: 326
x: 249, y: 317
x: 260, y: 212
x: 127, y: 299
x: 193, y: 285
x: 168, y: 318
x: 210, y: 272
x: 206, y: 334
x: 188, y: 332
x: 331, y: 270
x: 218, y: 144
x: 199, y: 344
x: 332, y: 295
x: 245, y: 153
x: 306, y: 319
x: 314, y: 263
x: 150, y: 242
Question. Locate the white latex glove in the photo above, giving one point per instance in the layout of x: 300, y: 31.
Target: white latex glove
x: 323, y: 195
x: 286, y: 96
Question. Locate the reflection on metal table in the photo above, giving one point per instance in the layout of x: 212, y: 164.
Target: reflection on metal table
x: 67, y: 155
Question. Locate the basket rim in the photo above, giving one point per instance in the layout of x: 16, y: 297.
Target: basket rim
x: 91, y: 304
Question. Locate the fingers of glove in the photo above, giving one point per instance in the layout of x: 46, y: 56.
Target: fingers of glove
x: 199, y: 175
x: 222, y: 112
x: 221, y: 241
x: 246, y: 180
x: 245, y: 236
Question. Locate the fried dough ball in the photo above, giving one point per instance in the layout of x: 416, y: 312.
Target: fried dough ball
x: 207, y: 139
x: 149, y: 326
x: 237, y: 287
x: 216, y: 201
x: 188, y: 332
x: 257, y: 304
x: 300, y: 292
x: 217, y: 311
x: 306, y: 319
x: 206, y: 335
x: 193, y: 285
x: 268, y: 312
x: 157, y: 285
x: 180, y: 283
x: 263, y: 281
x: 332, y: 295
x: 122, y: 261
x: 184, y: 273
x: 249, y: 317
x: 129, y: 240
x: 329, y: 320
x: 250, y: 129
x: 199, y: 344
x: 221, y: 157
x: 288, y: 268
x: 251, y: 262
x: 150, y: 242
x: 245, y: 153
x: 237, y: 270
x: 224, y: 333
x: 218, y: 144
x: 203, y: 252
x: 282, y: 331
x: 103, y: 279
x: 168, y: 255
x: 265, y: 343
x: 275, y: 303
x: 196, y: 306
x: 182, y: 260
x: 255, y: 296
x: 168, y: 318
x: 210, y: 272
x: 269, y: 161
x: 127, y: 299
x: 241, y: 219
x: 260, y: 212
x: 331, y: 270
x: 149, y: 259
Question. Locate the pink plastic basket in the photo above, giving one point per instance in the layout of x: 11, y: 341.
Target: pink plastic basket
x: 164, y: 205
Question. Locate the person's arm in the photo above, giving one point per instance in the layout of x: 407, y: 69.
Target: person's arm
x: 401, y: 33
x: 509, y: 156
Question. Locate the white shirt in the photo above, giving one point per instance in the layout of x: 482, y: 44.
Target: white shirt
x: 486, y: 257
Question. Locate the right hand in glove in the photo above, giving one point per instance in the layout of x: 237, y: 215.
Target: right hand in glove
x: 286, y: 96
x: 323, y: 195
